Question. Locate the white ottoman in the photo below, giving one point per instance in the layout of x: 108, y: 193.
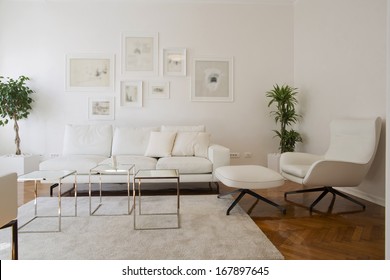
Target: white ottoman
x: 247, y: 177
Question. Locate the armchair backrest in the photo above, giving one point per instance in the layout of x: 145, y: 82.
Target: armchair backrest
x: 354, y: 140
x: 8, y: 198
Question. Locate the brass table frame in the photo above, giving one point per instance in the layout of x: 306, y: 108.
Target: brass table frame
x: 159, y: 174
x: 107, y: 169
x: 43, y: 175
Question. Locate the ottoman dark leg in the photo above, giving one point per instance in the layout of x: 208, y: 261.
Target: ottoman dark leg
x: 246, y: 191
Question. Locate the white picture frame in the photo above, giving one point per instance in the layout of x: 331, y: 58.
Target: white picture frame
x: 90, y: 72
x: 131, y: 94
x: 212, y: 80
x: 101, y: 108
x: 158, y: 90
x: 174, y: 61
x: 140, y: 53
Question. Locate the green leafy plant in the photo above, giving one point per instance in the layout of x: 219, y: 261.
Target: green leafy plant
x: 283, y: 97
x: 15, y: 103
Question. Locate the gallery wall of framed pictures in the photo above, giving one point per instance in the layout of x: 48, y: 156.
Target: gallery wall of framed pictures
x: 145, y: 72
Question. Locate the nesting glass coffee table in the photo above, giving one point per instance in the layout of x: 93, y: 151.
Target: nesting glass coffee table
x: 49, y: 175
x: 163, y: 174
x: 105, y: 170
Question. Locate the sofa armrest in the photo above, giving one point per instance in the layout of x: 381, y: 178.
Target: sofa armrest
x: 219, y: 156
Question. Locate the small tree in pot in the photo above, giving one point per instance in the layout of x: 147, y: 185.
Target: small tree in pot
x: 285, y: 114
x: 15, y: 103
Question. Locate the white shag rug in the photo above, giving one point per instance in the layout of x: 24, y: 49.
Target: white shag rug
x: 205, y: 233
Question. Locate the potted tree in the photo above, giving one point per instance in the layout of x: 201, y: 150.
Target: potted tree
x: 283, y: 98
x: 15, y: 104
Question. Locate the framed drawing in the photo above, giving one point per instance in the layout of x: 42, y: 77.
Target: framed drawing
x: 101, y: 108
x: 90, y: 72
x: 158, y: 90
x: 140, y: 54
x: 174, y: 62
x: 212, y: 80
x: 131, y: 93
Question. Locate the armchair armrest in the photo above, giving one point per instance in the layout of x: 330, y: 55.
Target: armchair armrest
x: 335, y: 174
x: 295, y: 158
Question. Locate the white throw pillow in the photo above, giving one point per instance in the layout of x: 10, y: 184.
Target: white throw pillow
x: 191, y: 144
x: 160, y: 144
x: 202, y: 144
x: 184, y: 144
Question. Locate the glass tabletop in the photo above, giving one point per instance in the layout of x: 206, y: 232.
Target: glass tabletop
x: 157, y: 174
x: 109, y: 168
x: 46, y: 175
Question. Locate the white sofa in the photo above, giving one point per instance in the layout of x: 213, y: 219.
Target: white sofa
x: 186, y: 148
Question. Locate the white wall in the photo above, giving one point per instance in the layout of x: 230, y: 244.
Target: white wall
x: 340, y: 67
x: 35, y: 36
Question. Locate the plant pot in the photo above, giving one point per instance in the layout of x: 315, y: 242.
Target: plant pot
x: 273, y: 161
x: 20, y: 164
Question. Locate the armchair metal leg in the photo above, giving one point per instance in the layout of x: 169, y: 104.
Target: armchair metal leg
x: 325, y: 190
x: 349, y: 198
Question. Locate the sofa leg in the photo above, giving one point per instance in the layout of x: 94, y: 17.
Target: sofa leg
x: 51, y: 188
x: 216, y: 186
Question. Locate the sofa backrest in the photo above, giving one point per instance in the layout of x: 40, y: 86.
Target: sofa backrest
x: 130, y: 140
x: 87, y: 140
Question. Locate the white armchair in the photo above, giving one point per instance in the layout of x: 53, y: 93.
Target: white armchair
x: 352, y: 148
x: 9, y: 208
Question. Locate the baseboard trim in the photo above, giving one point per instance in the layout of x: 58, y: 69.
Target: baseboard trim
x: 363, y: 195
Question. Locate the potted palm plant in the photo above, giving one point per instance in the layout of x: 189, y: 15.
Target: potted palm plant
x: 15, y: 103
x: 283, y: 98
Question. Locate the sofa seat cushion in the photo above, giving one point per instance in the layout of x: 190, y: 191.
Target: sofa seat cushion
x: 186, y: 165
x: 81, y: 163
x: 140, y: 162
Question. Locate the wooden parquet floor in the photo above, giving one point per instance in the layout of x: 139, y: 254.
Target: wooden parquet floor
x: 344, y: 232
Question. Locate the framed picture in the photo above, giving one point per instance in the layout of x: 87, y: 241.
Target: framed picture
x: 140, y: 54
x: 101, y: 108
x: 212, y: 80
x: 90, y: 72
x: 174, y: 62
x: 131, y: 93
x: 158, y: 90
